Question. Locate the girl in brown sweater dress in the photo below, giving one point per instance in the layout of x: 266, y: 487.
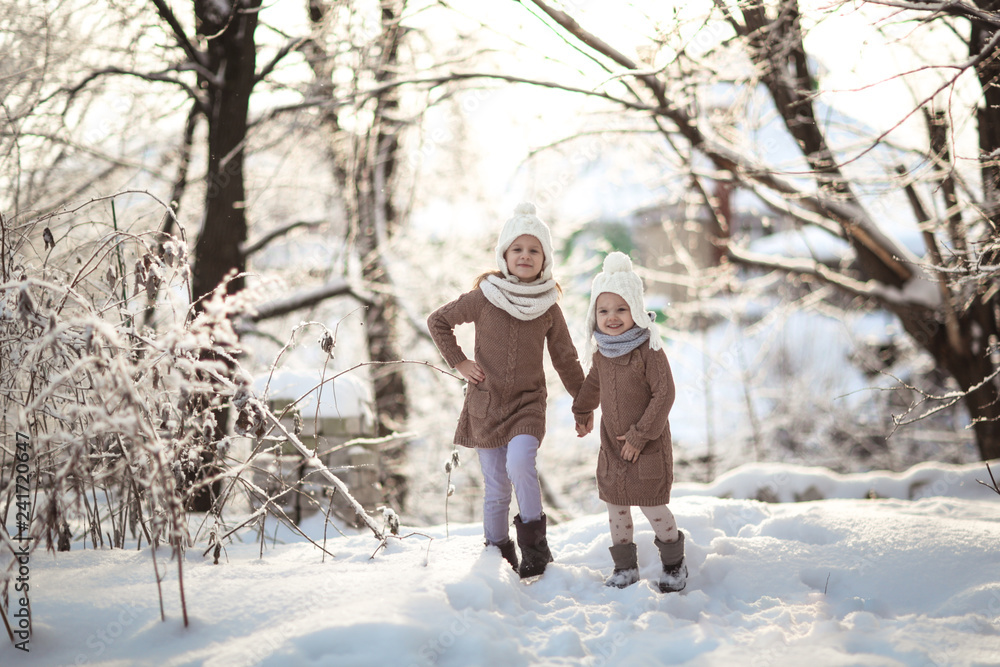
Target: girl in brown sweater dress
x: 631, y: 381
x: 515, y: 314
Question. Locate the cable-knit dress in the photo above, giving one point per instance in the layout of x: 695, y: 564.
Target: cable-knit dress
x: 635, y: 392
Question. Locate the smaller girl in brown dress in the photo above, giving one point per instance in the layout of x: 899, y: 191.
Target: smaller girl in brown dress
x: 630, y: 379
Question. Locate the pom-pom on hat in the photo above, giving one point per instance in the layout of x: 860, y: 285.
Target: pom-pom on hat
x: 619, y: 278
x: 525, y: 222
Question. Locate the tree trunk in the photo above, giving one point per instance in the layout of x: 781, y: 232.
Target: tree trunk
x: 983, y: 306
x: 377, y: 220
x: 231, y: 53
x: 231, y: 63
x: 365, y: 169
x: 965, y: 366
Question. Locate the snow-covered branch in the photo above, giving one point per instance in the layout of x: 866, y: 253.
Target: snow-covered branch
x: 949, y: 8
x: 917, y: 291
x: 305, y: 299
x: 258, y: 244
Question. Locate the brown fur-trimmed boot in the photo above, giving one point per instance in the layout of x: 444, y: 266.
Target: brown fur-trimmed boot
x: 626, y: 560
x: 535, y: 553
x: 675, y: 572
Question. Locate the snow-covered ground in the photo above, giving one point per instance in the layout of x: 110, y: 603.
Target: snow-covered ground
x: 909, y: 578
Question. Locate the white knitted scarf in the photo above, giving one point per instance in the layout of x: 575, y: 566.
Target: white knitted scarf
x: 525, y: 301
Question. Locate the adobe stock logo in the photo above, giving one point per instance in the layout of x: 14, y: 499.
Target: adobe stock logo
x: 22, y: 482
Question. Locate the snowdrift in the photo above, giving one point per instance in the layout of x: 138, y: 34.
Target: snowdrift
x: 906, y: 579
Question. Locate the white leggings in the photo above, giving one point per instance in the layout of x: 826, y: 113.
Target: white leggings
x: 514, y: 463
x: 660, y: 518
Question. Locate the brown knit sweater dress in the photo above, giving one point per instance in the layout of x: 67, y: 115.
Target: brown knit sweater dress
x: 635, y: 392
x: 511, y: 400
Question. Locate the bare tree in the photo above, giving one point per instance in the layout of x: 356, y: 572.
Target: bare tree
x: 208, y: 61
x: 947, y: 302
x: 40, y: 45
x: 365, y: 162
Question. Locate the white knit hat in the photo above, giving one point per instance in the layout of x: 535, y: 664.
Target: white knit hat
x: 619, y: 278
x: 525, y: 222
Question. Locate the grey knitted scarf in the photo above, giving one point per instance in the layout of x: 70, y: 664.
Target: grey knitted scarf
x: 623, y: 343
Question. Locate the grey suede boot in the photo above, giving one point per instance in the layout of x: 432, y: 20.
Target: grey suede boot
x: 535, y: 553
x: 626, y: 565
x: 674, y: 575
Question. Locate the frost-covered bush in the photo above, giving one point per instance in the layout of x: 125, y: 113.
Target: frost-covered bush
x: 112, y: 385
x: 113, y: 388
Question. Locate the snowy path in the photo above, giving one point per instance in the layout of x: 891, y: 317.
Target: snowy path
x: 834, y: 582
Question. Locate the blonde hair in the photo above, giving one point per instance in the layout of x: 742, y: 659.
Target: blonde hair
x: 483, y: 276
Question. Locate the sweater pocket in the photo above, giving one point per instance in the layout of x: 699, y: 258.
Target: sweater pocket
x: 651, y: 465
x: 478, y: 402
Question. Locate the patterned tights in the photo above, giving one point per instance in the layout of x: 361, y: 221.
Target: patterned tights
x: 660, y: 518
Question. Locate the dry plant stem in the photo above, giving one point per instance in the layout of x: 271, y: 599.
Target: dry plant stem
x: 179, y: 552
x: 90, y: 520
x: 234, y: 474
x: 947, y: 400
x: 268, y: 503
x: 113, y: 538
x: 263, y: 522
x: 447, y: 496
x: 326, y: 523
x: 291, y: 524
x: 4, y: 513
x: 392, y: 437
x: 325, y: 472
x: 993, y: 486
x: 385, y: 539
x: 138, y: 508
x: 159, y: 587
x: 287, y: 346
x: 6, y: 624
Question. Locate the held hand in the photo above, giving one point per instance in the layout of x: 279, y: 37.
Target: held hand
x: 471, y: 371
x: 586, y: 427
x: 629, y: 453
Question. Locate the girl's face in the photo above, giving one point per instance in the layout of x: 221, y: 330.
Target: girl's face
x: 525, y: 258
x: 613, y: 314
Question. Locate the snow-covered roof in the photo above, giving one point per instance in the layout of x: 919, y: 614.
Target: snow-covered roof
x: 344, y: 396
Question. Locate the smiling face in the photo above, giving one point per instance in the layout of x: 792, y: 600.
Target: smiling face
x: 613, y: 315
x: 525, y: 258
